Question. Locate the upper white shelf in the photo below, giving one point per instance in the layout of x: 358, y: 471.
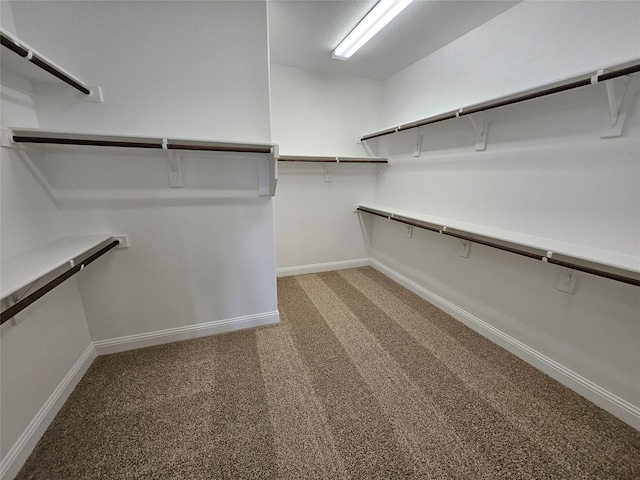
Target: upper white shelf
x: 267, y: 175
x: 14, y: 136
x: 24, y: 269
x: 321, y: 159
x: 46, y: 77
x: 604, y: 75
x: 602, y: 257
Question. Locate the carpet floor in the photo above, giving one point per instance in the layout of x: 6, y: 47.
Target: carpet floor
x: 361, y: 380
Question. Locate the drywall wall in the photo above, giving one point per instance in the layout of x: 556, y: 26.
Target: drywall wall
x: 46, y: 340
x: 316, y: 113
x: 531, y: 44
x: 321, y: 114
x: 179, y: 69
x: 316, y: 228
x: 545, y: 172
x: 202, y: 257
x: 200, y: 254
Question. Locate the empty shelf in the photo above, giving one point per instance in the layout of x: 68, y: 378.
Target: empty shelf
x: 24, y: 269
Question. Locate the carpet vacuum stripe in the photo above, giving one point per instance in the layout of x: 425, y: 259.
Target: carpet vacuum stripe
x: 419, y: 426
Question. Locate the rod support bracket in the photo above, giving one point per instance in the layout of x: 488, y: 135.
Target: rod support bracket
x: 566, y: 281
x: 175, y: 166
x: 268, y: 172
x: 327, y: 173
x: 481, y: 126
x: 6, y: 138
x: 416, y: 152
x: 615, y: 117
x: 466, y: 246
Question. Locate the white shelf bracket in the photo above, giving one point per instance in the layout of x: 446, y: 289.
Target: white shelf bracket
x: 327, y: 173
x: 416, y: 152
x: 466, y: 246
x: 175, y: 166
x: 6, y: 136
x: 409, y: 231
x: 566, y: 281
x: 481, y: 126
x: 268, y: 172
x: 615, y: 118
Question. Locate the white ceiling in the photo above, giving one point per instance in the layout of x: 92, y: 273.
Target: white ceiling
x: 303, y: 33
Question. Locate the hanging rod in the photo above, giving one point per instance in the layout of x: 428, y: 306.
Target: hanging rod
x: 13, y: 310
x: 487, y: 241
x: 27, y: 52
x: 297, y: 158
x: 48, y: 138
x: 600, y: 76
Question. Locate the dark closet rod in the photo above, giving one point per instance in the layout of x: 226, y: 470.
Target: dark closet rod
x: 296, y: 158
x: 151, y: 144
x: 487, y: 242
x: 523, y: 97
x: 40, y: 62
x: 13, y: 310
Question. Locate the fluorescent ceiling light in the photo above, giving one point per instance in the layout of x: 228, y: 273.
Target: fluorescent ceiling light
x: 372, y: 23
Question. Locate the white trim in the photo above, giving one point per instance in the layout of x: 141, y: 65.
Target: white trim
x: 322, y: 267
x: 131, y: 342
x: 22, y: 448
x: 608, y: 401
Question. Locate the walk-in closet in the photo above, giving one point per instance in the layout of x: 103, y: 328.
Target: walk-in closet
x: 232, y: 249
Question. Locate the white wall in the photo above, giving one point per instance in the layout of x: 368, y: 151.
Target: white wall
x: 320, y: 114
x: 176, y: 80
x: 182, y: 69
x: 49, y: 337
x: 545, y: 172
x: 199, y: 255
x: 316, y: 113
x: 529, y: 45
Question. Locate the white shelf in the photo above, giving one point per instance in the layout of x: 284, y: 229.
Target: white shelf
x: 43, y: 83
x: 325, y: 159
x: 24, y: 269
x: 602, y: 257
x: 267, y: 152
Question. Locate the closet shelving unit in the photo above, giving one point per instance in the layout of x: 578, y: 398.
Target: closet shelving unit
x: 577, y: 82
x: 28, y: 63
x: 603, y: 263
x: 23, y: 271
x: 171, y: 147
x: 612, y: 265
x: 28, y: 271
x: 320, y: 159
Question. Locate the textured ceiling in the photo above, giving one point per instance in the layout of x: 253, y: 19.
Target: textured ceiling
x: 303, y: 33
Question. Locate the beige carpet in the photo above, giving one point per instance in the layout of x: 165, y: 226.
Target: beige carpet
x: 362, y: 380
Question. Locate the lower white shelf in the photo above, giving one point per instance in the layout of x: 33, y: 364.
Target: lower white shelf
x: 22, y: 270
x: 596, y: 258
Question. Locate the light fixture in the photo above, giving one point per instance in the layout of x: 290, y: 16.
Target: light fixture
x: 372, y: 23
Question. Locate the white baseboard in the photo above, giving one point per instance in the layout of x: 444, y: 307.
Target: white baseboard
x: 148, y: 339
x: 322, y: 267
x: 606, y: 400
x: 14, y: 459
x: 20, y: 451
